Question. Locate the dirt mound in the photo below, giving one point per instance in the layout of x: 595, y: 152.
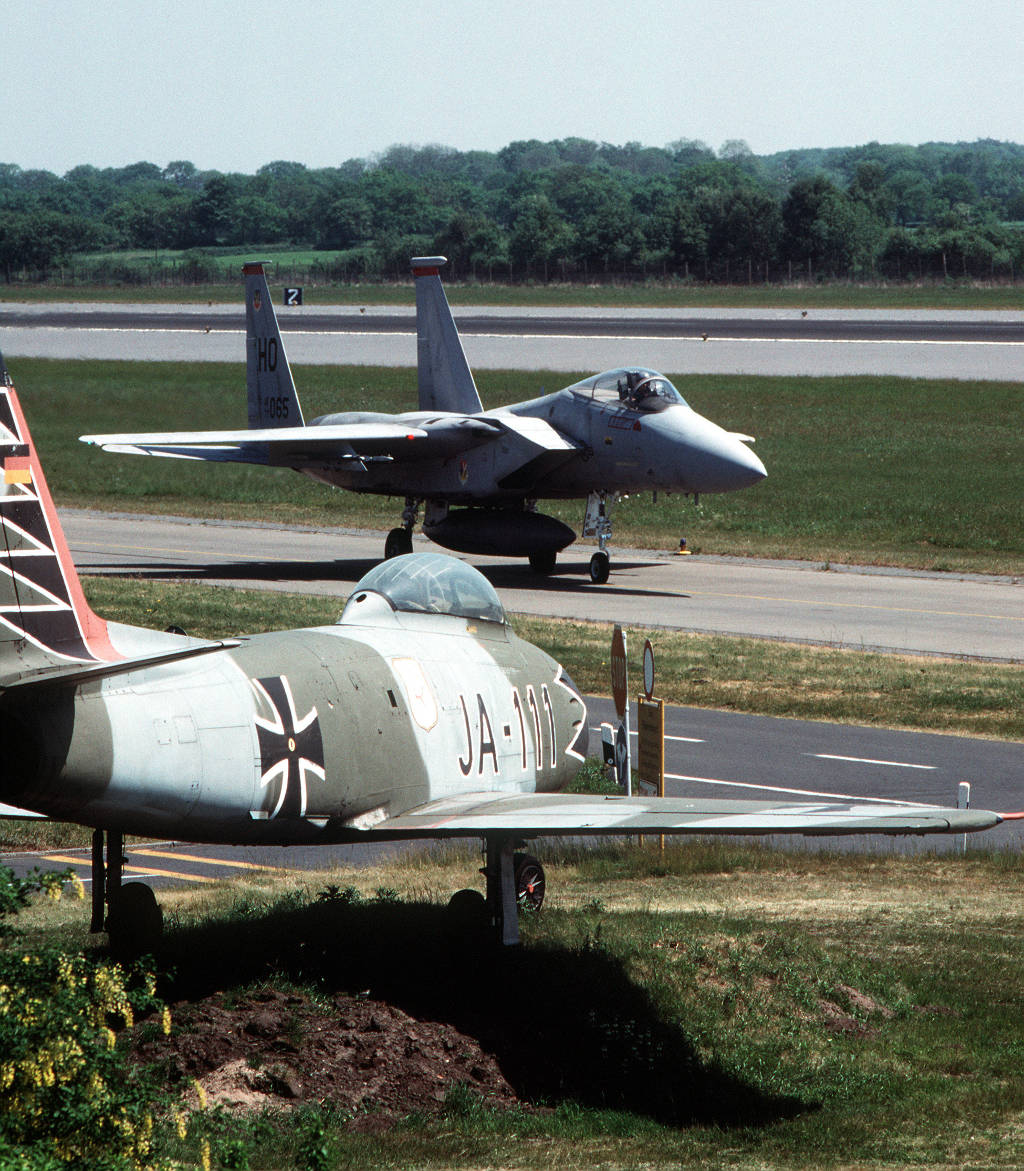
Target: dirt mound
x: 278, y: 1049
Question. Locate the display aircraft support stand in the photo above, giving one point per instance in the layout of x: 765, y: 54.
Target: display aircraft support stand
x: 106, y: 877
x: 502, y: 905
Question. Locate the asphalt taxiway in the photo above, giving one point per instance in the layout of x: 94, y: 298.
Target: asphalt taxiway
x: 897, y: 610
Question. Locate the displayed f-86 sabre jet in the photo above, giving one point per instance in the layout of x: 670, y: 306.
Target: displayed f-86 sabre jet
x: 478, y: 474
x: 418, y: 714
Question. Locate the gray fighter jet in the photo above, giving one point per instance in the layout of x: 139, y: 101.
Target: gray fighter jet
x: 419, y: 714
x: 479, y: 473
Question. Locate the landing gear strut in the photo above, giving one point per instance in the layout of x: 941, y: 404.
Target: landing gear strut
x: 598, y: 523
x: 399, y: 540
x: 133, y: 920
x: 513, y: 881
x: 543, y: 563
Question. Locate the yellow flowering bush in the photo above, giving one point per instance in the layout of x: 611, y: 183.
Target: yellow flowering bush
x: 64, y: 1087
x: 68, y: 1098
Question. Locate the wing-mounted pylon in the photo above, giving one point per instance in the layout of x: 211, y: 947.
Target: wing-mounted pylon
x: 273, y: 401
x: 444, y: 377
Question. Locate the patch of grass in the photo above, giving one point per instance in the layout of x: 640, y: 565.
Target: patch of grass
x: 762, y: 1007
x: 915, y: 473
x: 806, y: 682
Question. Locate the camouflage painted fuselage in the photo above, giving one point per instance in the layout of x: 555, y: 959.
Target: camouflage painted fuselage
x: 301, y: 736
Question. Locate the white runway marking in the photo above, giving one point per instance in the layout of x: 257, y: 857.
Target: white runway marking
x: 865, y: 760
x: 792, y: 792
x: 682, y: 739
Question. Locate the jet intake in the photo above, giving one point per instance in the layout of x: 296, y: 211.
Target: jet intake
x: 504, y: 532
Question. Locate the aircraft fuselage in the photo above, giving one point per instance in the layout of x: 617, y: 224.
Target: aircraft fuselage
x: 308, y: 735
x: 673, y: 450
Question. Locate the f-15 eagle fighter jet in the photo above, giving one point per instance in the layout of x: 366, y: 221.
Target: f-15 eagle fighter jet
x: 478, y: 474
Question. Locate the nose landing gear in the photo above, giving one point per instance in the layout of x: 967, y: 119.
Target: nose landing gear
x: 598, y: 523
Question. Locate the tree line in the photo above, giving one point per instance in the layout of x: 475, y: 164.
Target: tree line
x: 568, y: 210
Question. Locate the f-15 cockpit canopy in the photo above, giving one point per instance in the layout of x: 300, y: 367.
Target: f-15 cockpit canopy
x: 635, y: 387
x: 427, y: 583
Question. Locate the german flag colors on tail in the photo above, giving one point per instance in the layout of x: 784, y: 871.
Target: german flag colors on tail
x: 43, y: 613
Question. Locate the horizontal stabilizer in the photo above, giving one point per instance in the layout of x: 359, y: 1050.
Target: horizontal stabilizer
x: 74, y: 674
x: 539, y: 814
x: 9, y: 811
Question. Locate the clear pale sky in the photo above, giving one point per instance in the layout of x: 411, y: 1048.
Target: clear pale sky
x: 233, y: 86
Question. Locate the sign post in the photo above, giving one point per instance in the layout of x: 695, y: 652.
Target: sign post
x: 620, y: 693
x: 651, y: 734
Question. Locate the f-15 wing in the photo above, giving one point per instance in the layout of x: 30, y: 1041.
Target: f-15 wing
x: 299, y: 447
x: 536, y: 815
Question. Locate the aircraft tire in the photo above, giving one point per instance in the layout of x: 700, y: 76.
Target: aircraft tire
x: 529, y: 882
x: 544, y: 562
x: 600, y: 567
x: 467, y: 909
x: 398, y: 541
x: 135, y: 921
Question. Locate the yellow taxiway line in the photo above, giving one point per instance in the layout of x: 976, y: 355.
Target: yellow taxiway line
x: 145, y: 853
x: 139, y: 870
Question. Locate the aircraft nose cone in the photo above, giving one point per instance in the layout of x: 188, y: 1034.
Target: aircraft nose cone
x: 748, y: 468
x: 718, y: 461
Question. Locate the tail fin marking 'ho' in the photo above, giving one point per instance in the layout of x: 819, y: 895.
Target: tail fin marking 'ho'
x: 444, y: 377
x: 43, y: 612
x: 273, y: 401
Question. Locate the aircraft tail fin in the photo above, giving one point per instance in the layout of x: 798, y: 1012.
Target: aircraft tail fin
x: 444, y: 377
x: 273, y: 401
x: 44, y: 617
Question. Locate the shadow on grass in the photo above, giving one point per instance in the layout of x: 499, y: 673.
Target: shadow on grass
x: 563, y: 1022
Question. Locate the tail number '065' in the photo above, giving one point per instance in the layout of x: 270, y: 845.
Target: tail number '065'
x: 483, y: 747
x: 275, y: 407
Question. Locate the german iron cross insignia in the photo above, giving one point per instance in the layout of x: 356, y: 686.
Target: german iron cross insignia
x: 291, y: 749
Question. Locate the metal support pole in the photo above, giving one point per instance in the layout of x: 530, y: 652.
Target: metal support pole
x: 99, y: 885
x: 501, y: 889
x: 115, y: 863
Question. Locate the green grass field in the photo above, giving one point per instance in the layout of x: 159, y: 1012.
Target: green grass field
x: 915, y: 473
x: 714, y: 1005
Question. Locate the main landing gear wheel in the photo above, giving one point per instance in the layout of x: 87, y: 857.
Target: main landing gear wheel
x: 529, y: 882
x: 544, y: 562
x: 134, y: 921
x: 600, y: 566
x: 398, y: 541
x: 467, y: 909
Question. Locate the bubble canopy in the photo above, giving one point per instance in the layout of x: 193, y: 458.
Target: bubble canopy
x: 428, y: 583
x: 636, y: 387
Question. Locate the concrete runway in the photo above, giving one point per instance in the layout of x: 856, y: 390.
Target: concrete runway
x: 910, y: 612
x: 961, y: 344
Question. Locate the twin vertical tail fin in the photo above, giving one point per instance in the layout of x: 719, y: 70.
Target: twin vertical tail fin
x: 268, y: 377
x: 445, y: 379
x: 44, y: 617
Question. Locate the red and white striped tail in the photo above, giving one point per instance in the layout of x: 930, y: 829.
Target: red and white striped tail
x: 43, y: 612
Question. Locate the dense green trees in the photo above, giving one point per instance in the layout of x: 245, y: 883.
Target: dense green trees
x: 571, y: 209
